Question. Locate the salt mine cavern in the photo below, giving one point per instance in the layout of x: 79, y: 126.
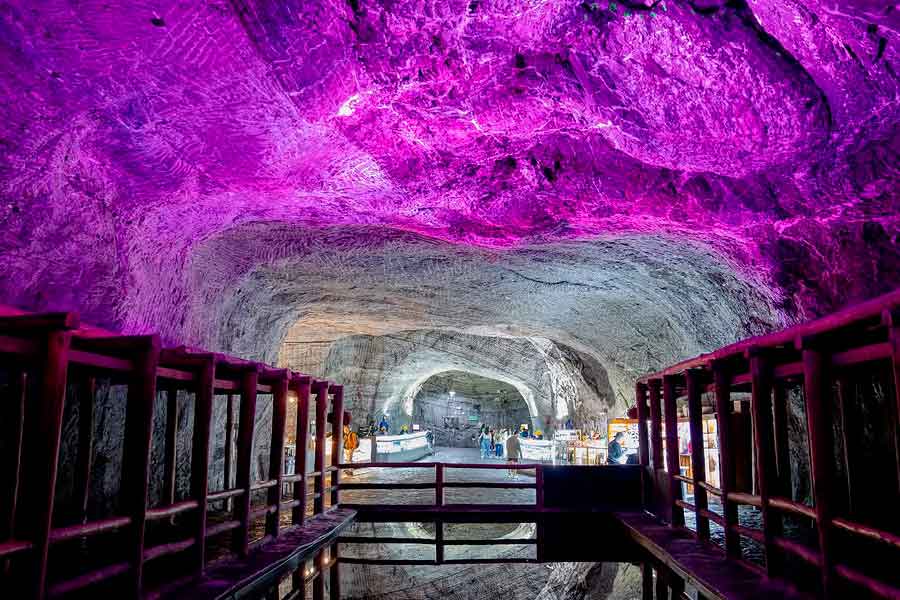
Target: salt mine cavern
x: 450, y: 299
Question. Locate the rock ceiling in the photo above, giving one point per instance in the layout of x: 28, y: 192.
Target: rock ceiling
x: 636, y: 180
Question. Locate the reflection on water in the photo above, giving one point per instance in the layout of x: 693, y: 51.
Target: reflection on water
x: 456, y: 561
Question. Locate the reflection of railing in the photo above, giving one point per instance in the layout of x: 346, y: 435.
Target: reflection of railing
x: 814, y: 356
x: 440, y: 543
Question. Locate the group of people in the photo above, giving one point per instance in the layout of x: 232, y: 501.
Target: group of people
x: 504, y: 442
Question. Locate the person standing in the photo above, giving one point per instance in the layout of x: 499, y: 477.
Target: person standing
x: 351, y: 443
x: 513, y: 452
x: 485, y: 442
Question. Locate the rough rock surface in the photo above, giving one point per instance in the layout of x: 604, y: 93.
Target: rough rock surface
x: 636, y: 181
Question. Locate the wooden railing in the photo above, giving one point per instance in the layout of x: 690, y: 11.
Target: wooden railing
x: 58, y: 351
x: 817, y: 356
x: 440, y: 484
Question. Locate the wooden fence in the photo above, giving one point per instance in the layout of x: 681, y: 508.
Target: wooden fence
x: 822, y: 358
x: 56, y: 351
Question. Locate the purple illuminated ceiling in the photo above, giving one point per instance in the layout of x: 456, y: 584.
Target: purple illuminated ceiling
x: 135, y: 134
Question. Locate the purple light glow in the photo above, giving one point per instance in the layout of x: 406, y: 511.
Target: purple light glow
x: 131, y: 134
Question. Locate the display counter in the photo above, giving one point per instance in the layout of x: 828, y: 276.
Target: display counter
x: 536, y: 450
x: 402, y: 448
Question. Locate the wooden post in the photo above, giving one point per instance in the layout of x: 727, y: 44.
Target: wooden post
x: 893, y: 409
x: 320, y: 388
x: 820, y: 450
x: 671, y: 416
x: 276, y: 454
x: 662, y: 590
x: 12, y: 473
x: 698, y: 458
x: 539, y: 487
x: 43, y: 430
x: 766, y: 465
x: 136, y: 459
x: 200, y: 456
x: 241, y: 539
x: 782, y: 443
x: 337, y: 440
x: 171, y: 449
x: 319, y: 582
x: 640, y: 394
x: 643, y: 413
x: 646, y: 581
x: 334, y: 579
x: 655, y: 426
x: 301, y: 387
x: 229, y: 443
x: 722, y: 380
x: 848, y: 428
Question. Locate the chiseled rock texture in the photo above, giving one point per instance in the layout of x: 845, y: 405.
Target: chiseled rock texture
x: 634, y: 181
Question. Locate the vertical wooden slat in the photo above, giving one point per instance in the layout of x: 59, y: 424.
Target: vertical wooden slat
x: 640, y: 395
x: 320, y: 388
x: 820, y: 450
x: 646, y: 581
x: 301, y: 386
x: 241, y: 538
x: 12, y: 473
x: 671, y: 421
x: 849, y: 430
x: 43, y: 430
x: 782, y: 443
x: 722, y: 382
x: 698, y: 458
x: 655, y: 425
x: 319, y: 582
x: 643, y: 413
x: 334, y: 580
x: 337, y: 440
x: 229, y: 441
x: 893, y: 409
x: 766, y: 466
x: 171, y: 449
x: 136, y: 460
x: 82, y: 482
x: 662, y: 590
x: 276, y: 454
x: 200, y: 456
x: 539, y: 487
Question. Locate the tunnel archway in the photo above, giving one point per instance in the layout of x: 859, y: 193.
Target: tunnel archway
x: 454, y: 404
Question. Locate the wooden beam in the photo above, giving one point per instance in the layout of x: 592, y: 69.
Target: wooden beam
x: 171, y: 450
x: 698, y: 458
x: 276, y: 454
x: 722, y: 383
x: 656, y: 458
x: 766, y: 462
x: 301, y: 386
x: 782, y: 442
x: 337, y: 440
x: 229, y: 442
x: 82, y: 482
x: 136, y: 460
x: 672, y: 466
x: 646, y: 581
x: 43, y: 430
x: 240, y: 542
x: 200, y: 457
x: 643, y: 413
x: 320, y: 389
x: 319, y: 566
x: 334, y: 579
x: 815, y: 386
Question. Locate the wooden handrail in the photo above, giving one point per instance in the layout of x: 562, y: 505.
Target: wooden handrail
x: 87, y: 529
x: 792, y: 507
x: 866, y: 531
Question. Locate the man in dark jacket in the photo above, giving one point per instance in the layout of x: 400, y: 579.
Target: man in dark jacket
x: 617, y: 454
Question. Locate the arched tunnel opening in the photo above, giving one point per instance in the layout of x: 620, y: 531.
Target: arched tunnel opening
x: 456, y: 406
